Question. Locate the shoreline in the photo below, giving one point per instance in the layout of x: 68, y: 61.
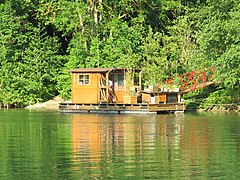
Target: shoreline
x: 221, y: 108
x: 52, y: 104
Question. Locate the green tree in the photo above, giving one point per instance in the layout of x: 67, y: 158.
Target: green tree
x: 218, y: 43
x: 29, y: 62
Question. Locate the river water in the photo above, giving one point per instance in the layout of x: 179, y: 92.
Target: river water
x: 51, y: 145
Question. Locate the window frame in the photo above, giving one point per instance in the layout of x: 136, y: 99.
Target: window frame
x: 84, y: 79
x: 114, y: 77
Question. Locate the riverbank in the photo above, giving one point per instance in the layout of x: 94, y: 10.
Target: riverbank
x: 52, y: 104
x: 221, y: 108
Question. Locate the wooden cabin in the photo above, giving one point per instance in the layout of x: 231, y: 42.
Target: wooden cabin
x: 117, y: 90
x: 100, y: 85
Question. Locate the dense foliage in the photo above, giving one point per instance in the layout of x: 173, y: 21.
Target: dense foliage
x: 42, y: 39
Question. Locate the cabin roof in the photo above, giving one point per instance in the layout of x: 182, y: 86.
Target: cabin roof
x: 91, y: 70
x: 96, y: 70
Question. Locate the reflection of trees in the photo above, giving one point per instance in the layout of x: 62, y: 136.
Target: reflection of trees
x: 110, y: 146
x: 33, y: 145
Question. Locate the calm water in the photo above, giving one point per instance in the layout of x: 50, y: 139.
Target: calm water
x: 50, y: 145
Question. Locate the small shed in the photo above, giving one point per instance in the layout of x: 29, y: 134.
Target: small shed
x: 101, y: 85
x: 161, y: 95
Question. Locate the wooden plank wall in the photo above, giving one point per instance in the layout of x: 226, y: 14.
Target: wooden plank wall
x: 120, y: 94
x: 90, y: 93
x: 85, y: 93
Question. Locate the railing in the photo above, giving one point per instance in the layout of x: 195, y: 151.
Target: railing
x: 192, y: 80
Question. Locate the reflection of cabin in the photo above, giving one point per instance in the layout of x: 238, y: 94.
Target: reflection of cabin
x: 99, y: 85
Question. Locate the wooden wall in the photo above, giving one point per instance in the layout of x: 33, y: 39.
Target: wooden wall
x: 85, y: 93
x: 120, y: 94
x: 146, y: 98
x: 162, y: 98
x: 90, y: 93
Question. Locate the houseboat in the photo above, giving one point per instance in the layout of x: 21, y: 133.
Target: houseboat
x: 118, y: 90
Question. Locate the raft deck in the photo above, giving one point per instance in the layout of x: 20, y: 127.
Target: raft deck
x: 119, y: 108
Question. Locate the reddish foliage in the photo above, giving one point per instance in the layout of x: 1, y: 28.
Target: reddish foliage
x: 192, y: 79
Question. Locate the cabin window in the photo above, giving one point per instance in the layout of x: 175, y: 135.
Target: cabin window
x: 84, y: 79
x: 111, y: 79
x: 120, y: 80
x: 172, y: 98
x: 117, y: 80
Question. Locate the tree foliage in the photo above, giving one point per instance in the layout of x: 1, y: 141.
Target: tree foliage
x: 42, y: 40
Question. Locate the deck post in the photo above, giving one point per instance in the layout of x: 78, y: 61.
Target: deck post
x: 107, y: 84
x: 140, y: 80
x: 179, y: 97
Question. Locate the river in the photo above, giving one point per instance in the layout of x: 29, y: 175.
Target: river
x: 51, y: 145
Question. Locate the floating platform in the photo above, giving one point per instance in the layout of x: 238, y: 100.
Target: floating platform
x: 119, y: 108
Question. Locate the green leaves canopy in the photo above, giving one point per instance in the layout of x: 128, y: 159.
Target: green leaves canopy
x: 42, y: 40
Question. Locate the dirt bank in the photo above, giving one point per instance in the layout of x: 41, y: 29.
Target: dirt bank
x: 48, y: 105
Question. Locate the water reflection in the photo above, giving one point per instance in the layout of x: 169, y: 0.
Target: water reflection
x: 131, y: 142
x: 144, y: 146
x: 88, y: 146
